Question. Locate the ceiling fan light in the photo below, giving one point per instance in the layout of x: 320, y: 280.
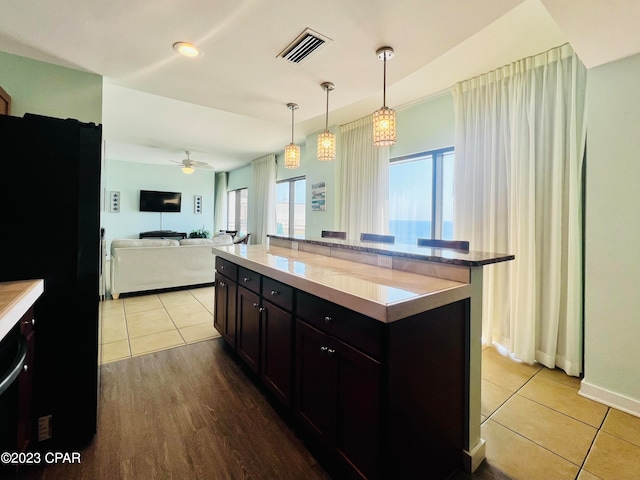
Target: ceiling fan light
x: 188, y: 170
x: 326, y: 146
x: 291, y: 156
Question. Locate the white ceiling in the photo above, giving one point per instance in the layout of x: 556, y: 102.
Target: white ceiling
x: 229, y: 106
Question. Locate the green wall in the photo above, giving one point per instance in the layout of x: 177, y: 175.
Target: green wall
x: 612, y: 267
x: 427, y: 125
x: 46, y: 89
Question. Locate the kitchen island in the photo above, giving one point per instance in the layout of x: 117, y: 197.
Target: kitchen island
x: 375, y: 349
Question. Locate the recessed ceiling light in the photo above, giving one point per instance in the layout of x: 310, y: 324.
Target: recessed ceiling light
x: 187, y: 49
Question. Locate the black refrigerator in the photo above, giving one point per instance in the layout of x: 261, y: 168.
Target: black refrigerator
x: 50, y: 229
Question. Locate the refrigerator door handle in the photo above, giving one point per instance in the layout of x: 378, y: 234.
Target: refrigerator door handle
x: 16, y: 367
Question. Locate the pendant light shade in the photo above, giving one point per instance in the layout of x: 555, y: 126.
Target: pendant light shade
x: 292, y: 151
x: 188, y: 170
x: 384, y: 119
x: 326, y: 139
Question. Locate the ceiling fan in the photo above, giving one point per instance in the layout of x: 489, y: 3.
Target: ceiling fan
x: 189, y: 166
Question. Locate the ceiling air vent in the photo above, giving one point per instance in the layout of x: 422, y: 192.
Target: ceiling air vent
x: 303, y: 46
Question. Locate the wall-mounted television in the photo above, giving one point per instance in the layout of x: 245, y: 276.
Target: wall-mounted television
x: 154, y: 201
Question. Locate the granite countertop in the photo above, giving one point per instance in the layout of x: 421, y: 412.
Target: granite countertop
x: 15, y: 299
x: 381, y: 293
x: 452, y: 257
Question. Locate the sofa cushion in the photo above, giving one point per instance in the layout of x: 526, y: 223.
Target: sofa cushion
x: 196, y: 241
x: 223, y: 240
x: 144, y: 242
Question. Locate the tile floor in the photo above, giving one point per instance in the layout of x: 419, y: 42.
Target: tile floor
x: 537, y: 426
x: 139, y: 325
x: 534, y: 422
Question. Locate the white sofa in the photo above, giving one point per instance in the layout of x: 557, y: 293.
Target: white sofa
x: 151, y: 264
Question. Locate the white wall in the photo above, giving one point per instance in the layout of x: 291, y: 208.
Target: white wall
x: 129, y: 178
x: 612, y: 270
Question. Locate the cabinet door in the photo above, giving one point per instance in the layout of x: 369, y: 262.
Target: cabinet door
x: 277, y: 341
x: 315, y: 399
x: 224, y: 318
x: 358, y: 410
x: 248, y: 335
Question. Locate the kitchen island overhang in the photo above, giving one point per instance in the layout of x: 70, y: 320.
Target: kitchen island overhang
x: 389, y: 284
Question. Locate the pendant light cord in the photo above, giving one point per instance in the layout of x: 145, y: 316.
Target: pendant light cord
x: 384, y: 82
x: 326, y: 117
x: 292, y: 110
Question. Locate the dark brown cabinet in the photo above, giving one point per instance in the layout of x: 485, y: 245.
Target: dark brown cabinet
x: 338, y: 398
x: 25, y: 383
x: 224, y: 316
x: 277, y: 349
x: 249, y: 323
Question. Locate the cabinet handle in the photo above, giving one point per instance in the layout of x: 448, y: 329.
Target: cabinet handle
x: 246, y: 279
x: 327, y: 319
x: 222, y: 284
x: 221, y: 267
x: 261, y: 309
x: 331, y: 351
x: 33, y: 322
x: 324, y: 349
x: 25, y: 368
x: 255, y: 305
x: 275, y: 292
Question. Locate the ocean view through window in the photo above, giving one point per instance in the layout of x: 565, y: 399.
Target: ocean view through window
x: 421, y: 196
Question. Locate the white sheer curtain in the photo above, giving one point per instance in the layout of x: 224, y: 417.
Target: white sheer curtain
x: 520, y: 140
x: 262, y: 199
x: 364, y: 181
x: 220, y: 211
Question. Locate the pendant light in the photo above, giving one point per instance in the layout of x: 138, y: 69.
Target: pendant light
x: 384, y: 119
x: 292, y: 151
x: 327, y: 140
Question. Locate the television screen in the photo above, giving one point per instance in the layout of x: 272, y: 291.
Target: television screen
x: 152, y: 201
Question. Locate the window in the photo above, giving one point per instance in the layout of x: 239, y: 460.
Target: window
x: 421, y: 196
x: 237, y: 210
x: 290, y: 207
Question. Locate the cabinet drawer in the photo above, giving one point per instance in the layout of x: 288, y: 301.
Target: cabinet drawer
x: 277, y: 293
x: 226, y: 268
x: 249, y: 279
x: 351, y: 327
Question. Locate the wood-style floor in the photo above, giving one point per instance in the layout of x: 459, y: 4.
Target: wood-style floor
x: 191, y: 413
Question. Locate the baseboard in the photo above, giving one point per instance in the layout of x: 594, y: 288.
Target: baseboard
x: 472, y: 460
x: 609, y: 398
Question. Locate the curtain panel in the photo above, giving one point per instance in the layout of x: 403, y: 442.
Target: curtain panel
x: 520, y: 144
x: 364, y: 181
x: 262, y: 199
x: 220, y: 210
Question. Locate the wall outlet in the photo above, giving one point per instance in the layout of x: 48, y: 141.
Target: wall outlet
x: 385, y: 261
x: 44, y: 428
